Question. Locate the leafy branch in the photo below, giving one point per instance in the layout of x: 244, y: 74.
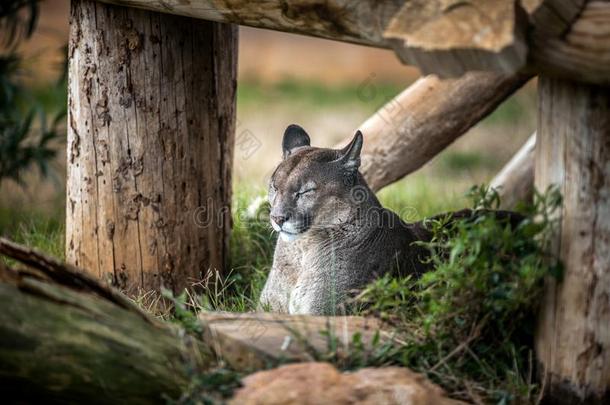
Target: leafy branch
x: 27, y: 132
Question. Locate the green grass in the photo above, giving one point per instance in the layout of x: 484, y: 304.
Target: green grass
x: 44, y: 231
x: 513, y: 109
x: 314, y: 95
x: 416, y: 198
x: 368, y: 96
x: 458, y: 161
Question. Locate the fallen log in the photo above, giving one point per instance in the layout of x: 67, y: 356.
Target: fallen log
x: 65, y: 337
x: 424, y: 119
x: 252, y: 341
x: 515, y: 182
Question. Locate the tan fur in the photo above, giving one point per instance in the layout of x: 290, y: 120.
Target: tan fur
x: 343, y: 238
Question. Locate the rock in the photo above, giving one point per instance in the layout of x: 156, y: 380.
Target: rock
x: 321, y: 383
x: 254, y: 341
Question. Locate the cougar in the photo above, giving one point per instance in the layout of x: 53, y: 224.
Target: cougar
x: 334, y: 235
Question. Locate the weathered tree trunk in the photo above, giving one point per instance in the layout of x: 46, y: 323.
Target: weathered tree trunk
x: 515, y: 182
x: 424, y: 119
x: 573, y: 152
x: 65, y: 338
x: 150, y: 143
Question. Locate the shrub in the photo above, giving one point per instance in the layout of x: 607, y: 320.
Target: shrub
x: 26, y: 131
x: 469, y: 323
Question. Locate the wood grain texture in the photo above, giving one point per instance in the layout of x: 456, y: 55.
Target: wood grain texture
x: 66, y: 338
x: 573, y: 152
x: 424, y: 119
x: 515, y: 182
x: 150, y: 142
x: 360, y: 22
x: 551, y: 18
x: 583, y: 53
x: 449, y: 38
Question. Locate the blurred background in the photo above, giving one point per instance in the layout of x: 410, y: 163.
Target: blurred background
x: 283, y: 79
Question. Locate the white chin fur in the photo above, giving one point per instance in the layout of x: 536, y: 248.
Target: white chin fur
x: 288, y: 237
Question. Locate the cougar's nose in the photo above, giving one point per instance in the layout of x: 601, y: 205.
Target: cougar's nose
x: 279, y: 220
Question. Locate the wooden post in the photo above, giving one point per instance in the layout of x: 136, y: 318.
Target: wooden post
x: 573, y: 151
x: 150, y: 143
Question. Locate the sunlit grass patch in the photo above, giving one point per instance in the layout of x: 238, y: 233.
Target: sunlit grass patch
x: 456, y: 161
x: 416, y: 197
x: 42, y: 231
x: 315, y: 95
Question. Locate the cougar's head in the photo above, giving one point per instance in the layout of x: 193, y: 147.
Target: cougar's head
x: 313, y: 187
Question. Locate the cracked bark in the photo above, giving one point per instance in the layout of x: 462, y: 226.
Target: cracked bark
x: 150, y: 144
x: 573, y: 152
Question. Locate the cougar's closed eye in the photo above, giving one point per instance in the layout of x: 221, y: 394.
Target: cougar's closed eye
x: 300, y: 193
x: 308, y: 187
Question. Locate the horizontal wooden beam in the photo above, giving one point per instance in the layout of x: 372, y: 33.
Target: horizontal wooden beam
x: 423, y: 120
x: 564, y: 38
x: 359, y: 22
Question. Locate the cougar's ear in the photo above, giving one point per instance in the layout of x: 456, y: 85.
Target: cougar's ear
x: 294, y: 137
x: 350, y: 155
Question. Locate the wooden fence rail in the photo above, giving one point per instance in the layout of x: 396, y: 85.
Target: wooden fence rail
x: 556, y: 37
